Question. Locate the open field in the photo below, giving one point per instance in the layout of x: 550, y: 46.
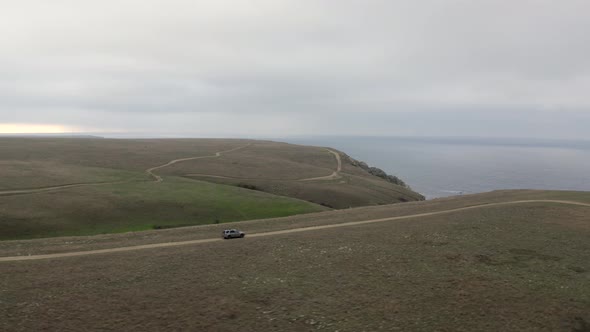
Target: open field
x: 136, y: 206
x: 62, y: 187
x: 508, y: 267
x: 41, y: 174
x: 131, y: 155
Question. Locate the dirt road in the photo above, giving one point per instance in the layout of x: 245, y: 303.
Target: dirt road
x: 158, y: 178
x: 335, y: 175
x: 286, y: 231
x: 150, y: 172
x: 66, y: 186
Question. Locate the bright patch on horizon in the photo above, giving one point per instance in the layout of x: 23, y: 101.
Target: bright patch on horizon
x: 26, y: 128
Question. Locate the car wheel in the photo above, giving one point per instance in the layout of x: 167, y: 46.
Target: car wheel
x: 241, y: 235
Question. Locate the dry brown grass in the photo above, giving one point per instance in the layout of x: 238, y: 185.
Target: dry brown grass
x: 128, y: 154
x: 264, y: 161
x: 503, y: 268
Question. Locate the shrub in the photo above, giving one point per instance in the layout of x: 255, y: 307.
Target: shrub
x: 248, y: 186
x: 377, y: 172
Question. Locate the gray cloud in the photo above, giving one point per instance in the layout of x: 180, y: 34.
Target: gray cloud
x: 294, y: 67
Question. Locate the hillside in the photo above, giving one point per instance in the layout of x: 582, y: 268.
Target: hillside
x: 73, y: 186
x: 500, y: 261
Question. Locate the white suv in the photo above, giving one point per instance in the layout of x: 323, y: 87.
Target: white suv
x: 232, y: 233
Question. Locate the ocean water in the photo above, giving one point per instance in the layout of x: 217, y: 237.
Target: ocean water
x: 439, y: 167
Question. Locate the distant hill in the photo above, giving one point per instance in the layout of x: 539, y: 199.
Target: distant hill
x: 55, y: 186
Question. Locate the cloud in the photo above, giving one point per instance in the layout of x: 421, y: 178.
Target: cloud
x: 133, y: 63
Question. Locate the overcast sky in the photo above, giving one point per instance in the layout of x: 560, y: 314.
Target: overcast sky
x: 195, y: 68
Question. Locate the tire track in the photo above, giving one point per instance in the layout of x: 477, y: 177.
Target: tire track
x: 66, y: 186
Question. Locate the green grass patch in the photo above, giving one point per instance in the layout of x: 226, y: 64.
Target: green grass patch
x: 137, y: 206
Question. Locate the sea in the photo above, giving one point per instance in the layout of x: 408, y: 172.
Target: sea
x: 447, y: 166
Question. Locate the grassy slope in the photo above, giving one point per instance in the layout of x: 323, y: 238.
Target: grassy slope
x: 264, y: 160
x: 275, y: 167
x: 131, y: 155
x: 504, y: 268
x: 42, y: 174
x: 349, y: 191
x: 38, y: 163
x: 138, y: 206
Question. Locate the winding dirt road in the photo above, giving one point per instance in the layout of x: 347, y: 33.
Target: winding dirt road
x: 150, y: 172
x: 334, y: 176
x: 158, y: 178
x: 286, y: 231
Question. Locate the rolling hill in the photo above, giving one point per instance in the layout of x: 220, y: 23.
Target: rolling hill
x: 83, y: 186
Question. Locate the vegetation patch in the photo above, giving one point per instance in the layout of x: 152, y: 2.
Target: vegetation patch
x: 376, y: 172
x: 248, y: 186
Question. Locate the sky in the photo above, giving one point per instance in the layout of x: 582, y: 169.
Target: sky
x: 273, y: 68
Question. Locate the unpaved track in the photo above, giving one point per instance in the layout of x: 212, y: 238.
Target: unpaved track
x: 150, y: 172
x: 286, y: 231
x: 335, y: 175
x: 158, y: 178
x: 66, y: 186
